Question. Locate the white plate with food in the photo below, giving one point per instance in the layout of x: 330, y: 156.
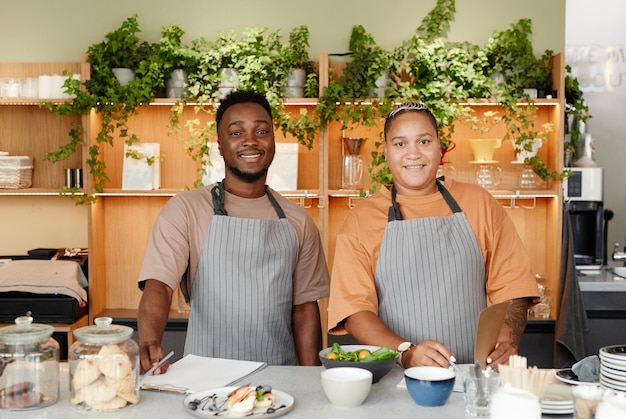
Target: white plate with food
x: 238, y: 402
x: 566, y: 375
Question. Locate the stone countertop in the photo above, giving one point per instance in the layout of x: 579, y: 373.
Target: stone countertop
x: 386, y: 400
x: 602, y: 280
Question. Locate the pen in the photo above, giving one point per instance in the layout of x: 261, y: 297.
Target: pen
x: 157, y: 365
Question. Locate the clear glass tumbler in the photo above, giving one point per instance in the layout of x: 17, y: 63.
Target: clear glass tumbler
x: 478, y: 392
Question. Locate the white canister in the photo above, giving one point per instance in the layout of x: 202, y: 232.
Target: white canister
x: 10, y: 88
x: 45, y: 87
x: 30, y: 87
x: 57, y: 86
x: 514, y: 403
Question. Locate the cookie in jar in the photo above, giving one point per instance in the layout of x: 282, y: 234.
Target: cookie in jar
x: 29, y: 365
x: 104, y: 367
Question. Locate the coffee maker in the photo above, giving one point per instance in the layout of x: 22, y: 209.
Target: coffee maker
x: 583, y: 196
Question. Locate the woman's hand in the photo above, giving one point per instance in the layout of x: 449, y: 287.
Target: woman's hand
x: 427, y: 353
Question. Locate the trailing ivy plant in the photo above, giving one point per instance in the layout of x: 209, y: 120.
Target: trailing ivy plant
x: 262, y: 63
x: 346, y: 100
x: 577, y: 109
x: 114, y: 103
x: 510, y: 53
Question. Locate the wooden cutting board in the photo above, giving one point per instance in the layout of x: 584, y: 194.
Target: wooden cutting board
x: 489, y: 323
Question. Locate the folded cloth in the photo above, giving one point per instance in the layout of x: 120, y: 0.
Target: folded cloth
x: 44, y: 277
x: 588, y: 369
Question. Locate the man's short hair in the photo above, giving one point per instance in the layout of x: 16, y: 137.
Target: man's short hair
x: 237, y: 97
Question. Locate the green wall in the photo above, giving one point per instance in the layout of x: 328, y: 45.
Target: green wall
x: 59, y: 30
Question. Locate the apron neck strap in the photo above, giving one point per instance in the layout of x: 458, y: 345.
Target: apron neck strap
x: 217, y: 194
x: 395, y: 214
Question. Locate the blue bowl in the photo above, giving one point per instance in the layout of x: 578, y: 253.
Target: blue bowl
x: 429, y: 386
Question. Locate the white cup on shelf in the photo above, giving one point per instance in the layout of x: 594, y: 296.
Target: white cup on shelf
x: 10, y: 88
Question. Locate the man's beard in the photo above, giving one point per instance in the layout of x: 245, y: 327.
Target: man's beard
x: 245, y: 176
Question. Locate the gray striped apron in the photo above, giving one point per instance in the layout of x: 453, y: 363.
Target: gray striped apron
x: 241, y: 299
x: 431, y: 278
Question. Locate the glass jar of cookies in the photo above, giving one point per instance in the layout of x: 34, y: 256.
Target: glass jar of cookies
x: 104, y: 367
x: 29, y: 365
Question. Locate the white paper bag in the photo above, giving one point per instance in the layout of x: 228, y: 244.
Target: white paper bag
x: 138, y: 174
x: 281, y: 176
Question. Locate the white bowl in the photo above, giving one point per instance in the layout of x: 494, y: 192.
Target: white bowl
x: 612, y: 407
x: 346, y: 386
x: 514, y: 403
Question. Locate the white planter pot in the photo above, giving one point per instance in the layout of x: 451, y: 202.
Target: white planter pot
x: 295, y: 83
x: 381, y: 85
x: 175, y: 84
x: 522, y: 154
x: 229, y: 81
x: 124, y: 75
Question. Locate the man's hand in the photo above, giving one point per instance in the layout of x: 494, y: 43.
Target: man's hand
x: 149, y: 354
x: 152, y: 317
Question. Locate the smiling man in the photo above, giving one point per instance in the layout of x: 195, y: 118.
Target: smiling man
x: 249, y: 261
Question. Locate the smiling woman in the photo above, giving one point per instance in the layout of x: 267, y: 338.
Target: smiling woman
x: 410, y: 261
x: 412, y: 149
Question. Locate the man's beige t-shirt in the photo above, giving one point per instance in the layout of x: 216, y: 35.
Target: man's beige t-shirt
x: 175, y: 245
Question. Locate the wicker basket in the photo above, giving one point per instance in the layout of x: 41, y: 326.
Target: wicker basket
x: 16, y: 172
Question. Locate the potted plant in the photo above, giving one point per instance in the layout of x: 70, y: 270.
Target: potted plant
x: 371, y: 67
x: 257, y: 62
x: 577, y: 113
x: 510, y: 53
x: 296, y: 60
x: 114, y: 102
x: 177, y: 60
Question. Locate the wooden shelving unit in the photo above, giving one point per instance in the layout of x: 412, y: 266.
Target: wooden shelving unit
x: 120, y: 221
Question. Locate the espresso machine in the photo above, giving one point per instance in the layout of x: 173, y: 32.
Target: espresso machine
x: 583, y: 196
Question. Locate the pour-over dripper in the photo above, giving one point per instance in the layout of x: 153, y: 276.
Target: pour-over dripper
x: 353, y: 145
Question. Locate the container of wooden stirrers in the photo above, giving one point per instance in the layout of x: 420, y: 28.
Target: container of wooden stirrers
x: 517, y: 374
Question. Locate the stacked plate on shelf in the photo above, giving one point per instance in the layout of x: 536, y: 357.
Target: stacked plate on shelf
x: 613, y: 367
x: 557, y: 400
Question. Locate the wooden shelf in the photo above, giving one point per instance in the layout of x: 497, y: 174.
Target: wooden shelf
x: 35, y: 192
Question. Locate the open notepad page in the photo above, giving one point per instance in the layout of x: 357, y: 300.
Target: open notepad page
x: 194, y: 373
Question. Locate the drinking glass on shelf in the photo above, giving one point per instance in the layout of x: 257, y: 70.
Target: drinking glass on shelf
x: 542, y: 309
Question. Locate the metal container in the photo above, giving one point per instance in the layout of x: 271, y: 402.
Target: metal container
x: 29, y: 365
x: 104, y: 367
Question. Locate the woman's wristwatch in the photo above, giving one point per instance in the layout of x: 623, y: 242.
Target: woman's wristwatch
x: 403, y: 348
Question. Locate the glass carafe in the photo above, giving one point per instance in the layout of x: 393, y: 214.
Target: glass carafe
x: 528, y: 178
x: 352, y: 163
x: 488, y: 177
x: 352, y: 171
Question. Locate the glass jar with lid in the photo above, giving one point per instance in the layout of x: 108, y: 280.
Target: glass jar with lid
x: 29, y: 365
x: 104, y: 367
